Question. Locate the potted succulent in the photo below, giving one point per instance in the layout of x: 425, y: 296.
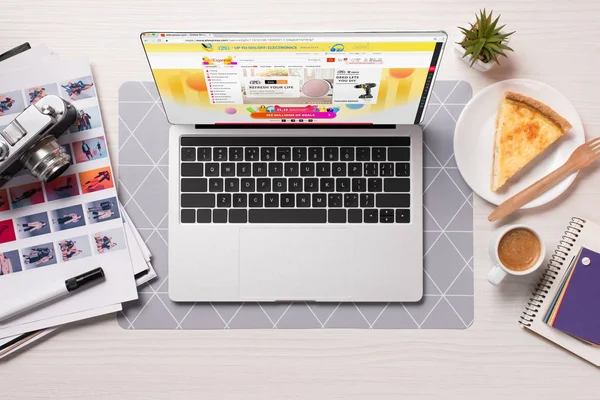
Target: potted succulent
x: 483, y: 41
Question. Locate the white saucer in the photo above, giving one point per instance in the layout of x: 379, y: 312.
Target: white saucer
x: 474, y: 142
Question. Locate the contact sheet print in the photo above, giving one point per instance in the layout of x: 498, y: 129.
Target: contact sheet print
x: 66, y: 226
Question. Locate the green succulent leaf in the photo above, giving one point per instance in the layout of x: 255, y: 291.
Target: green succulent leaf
x: 484, y: 39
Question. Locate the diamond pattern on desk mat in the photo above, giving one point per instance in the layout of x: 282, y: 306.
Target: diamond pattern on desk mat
x: 448, y: 302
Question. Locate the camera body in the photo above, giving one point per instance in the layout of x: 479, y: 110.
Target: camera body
x: 30, y: 140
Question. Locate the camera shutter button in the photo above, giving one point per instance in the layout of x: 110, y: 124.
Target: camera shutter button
x: 4, y: 150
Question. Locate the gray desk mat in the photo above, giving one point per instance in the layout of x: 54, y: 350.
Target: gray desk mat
x: 448, y: 302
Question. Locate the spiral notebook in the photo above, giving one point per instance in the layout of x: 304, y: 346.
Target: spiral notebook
x: 579, y: 233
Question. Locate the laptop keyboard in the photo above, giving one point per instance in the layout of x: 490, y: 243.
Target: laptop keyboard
x: 304, y: 180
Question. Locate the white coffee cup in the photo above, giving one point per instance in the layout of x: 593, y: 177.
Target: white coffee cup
x: 499, y: 271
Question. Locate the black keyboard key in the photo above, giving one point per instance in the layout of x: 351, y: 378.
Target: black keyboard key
x: 370, y: 169
x: 284, y: 154
x: 215, y: 185
x: 255, y: 200
x: 315, y: 154
x: 198, y: 200
x: 392, y: 200
x: 238, y: 216
x: 251, y: 154
x: 188, y: 154
x: 220, y: 154
x: 279, y: 185
x: 219, y: 216
x: 403, y: 216
x: 371, y: 216
x: 263, y: 185
x: 259, y: 169
x: 399, y: 154
x: 188, y: 216
x: 194, y: 184
x: 311, y: 185
x: 350, y: 200
x: 244, y: 169
x: 396, y: 185
x: 240, y: 200
x: 355, y: 169
x: 386, y: 216
x: 299, y: 153
x: 297, y: 216
x: 204, y: 154
x: 355, y: 216
x: 228, y: 169
x: 363, y: 154
x: 212, y: 169
x: 327, y: 184
x: 291, y: 169
x: 275, y: 169
x: 192, y: 169
x: 402, y: 169
x: 359, y: 185
x: 248, y: 185
x: 342, y: 184
x: 323, y: 169
x: 271, y: 200
x: 303, y: 200
x: 224, y: 200
x: 386, y: 169
x: 336, y: 216
x: 331, y: 154
x: 347, y: 154
x: 378, y: 154
x: 204, y: 216
x: 307, y: 169
x: 319, y: 200
x: 295, y: 185
x: 367, y: 200
x: 232, y: 185
x: 267, y: 154
x: 375, y: 185
x: 287, y: 200
x: 236, y: 154
x: 334, y: 200
x: 339, y: 169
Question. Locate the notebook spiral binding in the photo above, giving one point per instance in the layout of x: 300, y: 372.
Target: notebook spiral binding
x: 555, y: 264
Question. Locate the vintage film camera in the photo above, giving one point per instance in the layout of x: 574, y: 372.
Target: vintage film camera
x: 30, y: 140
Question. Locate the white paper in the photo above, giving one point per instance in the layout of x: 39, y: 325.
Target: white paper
x: 32, y: 339
x: 32, y: 57
x: 89, y: 216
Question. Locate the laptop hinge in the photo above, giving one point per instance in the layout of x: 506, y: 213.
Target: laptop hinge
x: 294, y: 126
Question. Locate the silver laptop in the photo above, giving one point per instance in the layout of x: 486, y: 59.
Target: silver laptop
x: 295, y: 163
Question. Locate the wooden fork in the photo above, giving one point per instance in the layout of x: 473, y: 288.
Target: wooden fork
x: 583, y: 156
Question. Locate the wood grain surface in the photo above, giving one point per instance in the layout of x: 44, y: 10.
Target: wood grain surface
x: 556, y: 42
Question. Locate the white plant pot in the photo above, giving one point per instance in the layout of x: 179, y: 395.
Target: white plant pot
x: 479, y: 65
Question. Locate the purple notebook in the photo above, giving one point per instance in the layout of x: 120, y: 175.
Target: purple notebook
x: 579, y: 313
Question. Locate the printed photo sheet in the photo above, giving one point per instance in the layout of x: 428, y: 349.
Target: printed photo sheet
x: 54, y: 231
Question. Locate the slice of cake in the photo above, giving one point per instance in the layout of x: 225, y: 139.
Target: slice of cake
x: 525, y: 128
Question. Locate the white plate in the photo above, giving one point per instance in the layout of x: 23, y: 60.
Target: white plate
x: 474, y: 142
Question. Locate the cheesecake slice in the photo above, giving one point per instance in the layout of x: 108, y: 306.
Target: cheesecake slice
x: 525, y: 128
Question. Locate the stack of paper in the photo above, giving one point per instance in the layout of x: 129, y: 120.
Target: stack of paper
x: 57, y: 230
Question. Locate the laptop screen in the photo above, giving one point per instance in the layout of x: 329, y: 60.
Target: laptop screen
x: 294, y: 78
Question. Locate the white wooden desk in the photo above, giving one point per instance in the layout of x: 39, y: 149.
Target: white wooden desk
x: 556, y: 42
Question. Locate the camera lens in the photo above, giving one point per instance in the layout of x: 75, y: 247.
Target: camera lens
x: 46, y: 160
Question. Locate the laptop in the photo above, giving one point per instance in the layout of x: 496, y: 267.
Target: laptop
x: 295, y: 163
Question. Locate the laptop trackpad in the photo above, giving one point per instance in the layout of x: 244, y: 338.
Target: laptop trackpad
x: 295, y: 263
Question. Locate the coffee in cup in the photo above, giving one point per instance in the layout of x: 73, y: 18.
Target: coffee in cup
x: 519, y: 249
x: 515, y: 250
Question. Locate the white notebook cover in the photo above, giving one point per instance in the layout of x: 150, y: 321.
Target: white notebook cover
x: 580, y: 232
